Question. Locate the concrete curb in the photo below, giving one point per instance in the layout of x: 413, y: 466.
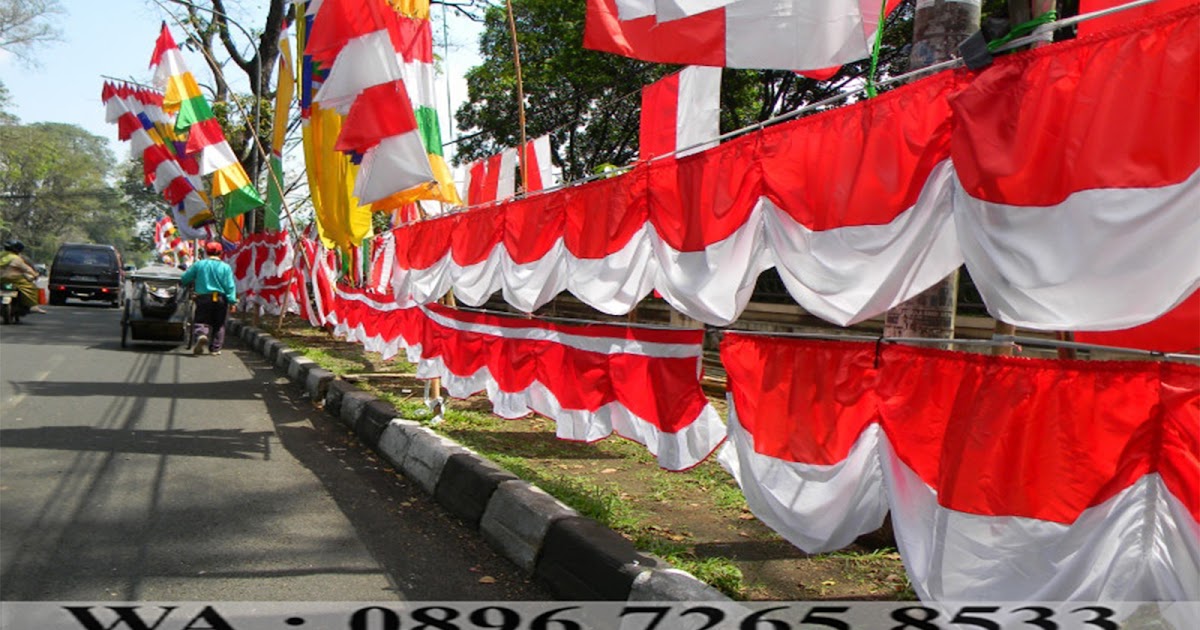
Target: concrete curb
x: 576, y: 557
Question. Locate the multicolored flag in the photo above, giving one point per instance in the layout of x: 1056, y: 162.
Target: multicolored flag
x: 354, y: 38
x: 195, y: 120
x: 341, y: 221
x: 138, y: 115
x: 415, y: 47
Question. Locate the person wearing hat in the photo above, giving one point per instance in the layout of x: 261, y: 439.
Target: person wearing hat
x: 215, y: 294
x: 14, y: 269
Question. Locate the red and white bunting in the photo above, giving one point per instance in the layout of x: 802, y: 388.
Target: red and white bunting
x: 593, y: 381
x: 863, y: 207
x: 265, y: 273
x: 1007, y: 479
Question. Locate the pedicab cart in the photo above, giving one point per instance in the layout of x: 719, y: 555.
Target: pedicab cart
x: 159, y: 307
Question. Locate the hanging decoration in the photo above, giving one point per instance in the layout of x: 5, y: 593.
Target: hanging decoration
x: 594, y: 380
x: 863, y: 207
x: 1007, y: 479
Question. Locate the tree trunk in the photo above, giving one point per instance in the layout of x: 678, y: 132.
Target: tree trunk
x: 940, y: 26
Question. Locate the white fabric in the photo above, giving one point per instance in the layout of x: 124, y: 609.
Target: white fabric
x: 667, y: 10
x: 396, y: 163
x: 215, y: 157
x: 1100, y: 260
x: 794, y: 33
x: 633, y: 9
x: 418, y: 79
x: 848, y: 275
x: 507, y: 182
x: 698, y: 114
x: 1140, y: 545
x: 816, y: 508
x: 364, y: 61
x: 545, y: 163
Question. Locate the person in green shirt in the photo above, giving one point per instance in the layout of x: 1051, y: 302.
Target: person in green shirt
x: 215, y: 294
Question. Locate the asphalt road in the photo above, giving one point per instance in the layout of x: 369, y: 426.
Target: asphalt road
x: 147, y: 474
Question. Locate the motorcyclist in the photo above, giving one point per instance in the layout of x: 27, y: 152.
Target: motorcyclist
x: 14, y: 269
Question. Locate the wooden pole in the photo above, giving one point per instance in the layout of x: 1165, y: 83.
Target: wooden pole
x: 938, y: 28
x: 512, y: 27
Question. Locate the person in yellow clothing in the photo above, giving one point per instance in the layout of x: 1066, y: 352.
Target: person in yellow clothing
x: 14, y: 269
x: 215, y: 294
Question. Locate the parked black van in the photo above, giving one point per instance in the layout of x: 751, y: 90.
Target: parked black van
x: 87, y: 272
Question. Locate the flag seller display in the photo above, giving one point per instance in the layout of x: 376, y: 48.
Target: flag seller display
x: 1024, y: 170
x: 194, y: 119
x: 780, y: 34
x: 592, y: 380
x: 680, y: 111
x: 353, y: 38
x: 1008, y: 479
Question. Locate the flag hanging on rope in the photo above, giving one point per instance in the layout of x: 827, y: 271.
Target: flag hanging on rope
x: 354, y: 39
x: 1007, y: 478
x: 679, y: 111
x: 195, y: 120
x: 137, y: 113
x: 783, y: 34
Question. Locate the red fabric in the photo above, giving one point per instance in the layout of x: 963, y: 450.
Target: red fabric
x: 491, y: 179
x: 379, y: 112
x: 338, y: 22
x: 533, y: 172
x: 152, y: 157
x: 1158, y: 7
x: 413, y: 39
x: 203, y: 134
x: 1178, y: 330
x: 177, y: 190
x: 803, y: 401
x: 1038, y: 126
x: 164, y: 43
x: 660, y: 109
x: 475, y: 189
x: 127, y: 123
x: 863, y: 164
x: 998, y: 436
x: 698, y: 40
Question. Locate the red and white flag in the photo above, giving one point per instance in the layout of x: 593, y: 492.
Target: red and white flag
x: 680, y: 111
x: 780, y: 34
x: 538, y: 163
x: 1007, y: 478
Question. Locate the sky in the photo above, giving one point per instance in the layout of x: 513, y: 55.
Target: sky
x: 114, y: 38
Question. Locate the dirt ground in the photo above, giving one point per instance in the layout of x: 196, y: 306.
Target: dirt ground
x: 696, y: 520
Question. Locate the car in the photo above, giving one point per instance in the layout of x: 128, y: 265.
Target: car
x: 87, y: 271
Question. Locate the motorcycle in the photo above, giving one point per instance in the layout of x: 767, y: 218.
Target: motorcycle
x: 11, y: 307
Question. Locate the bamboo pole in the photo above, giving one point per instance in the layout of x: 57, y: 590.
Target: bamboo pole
x: 512, y: 27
